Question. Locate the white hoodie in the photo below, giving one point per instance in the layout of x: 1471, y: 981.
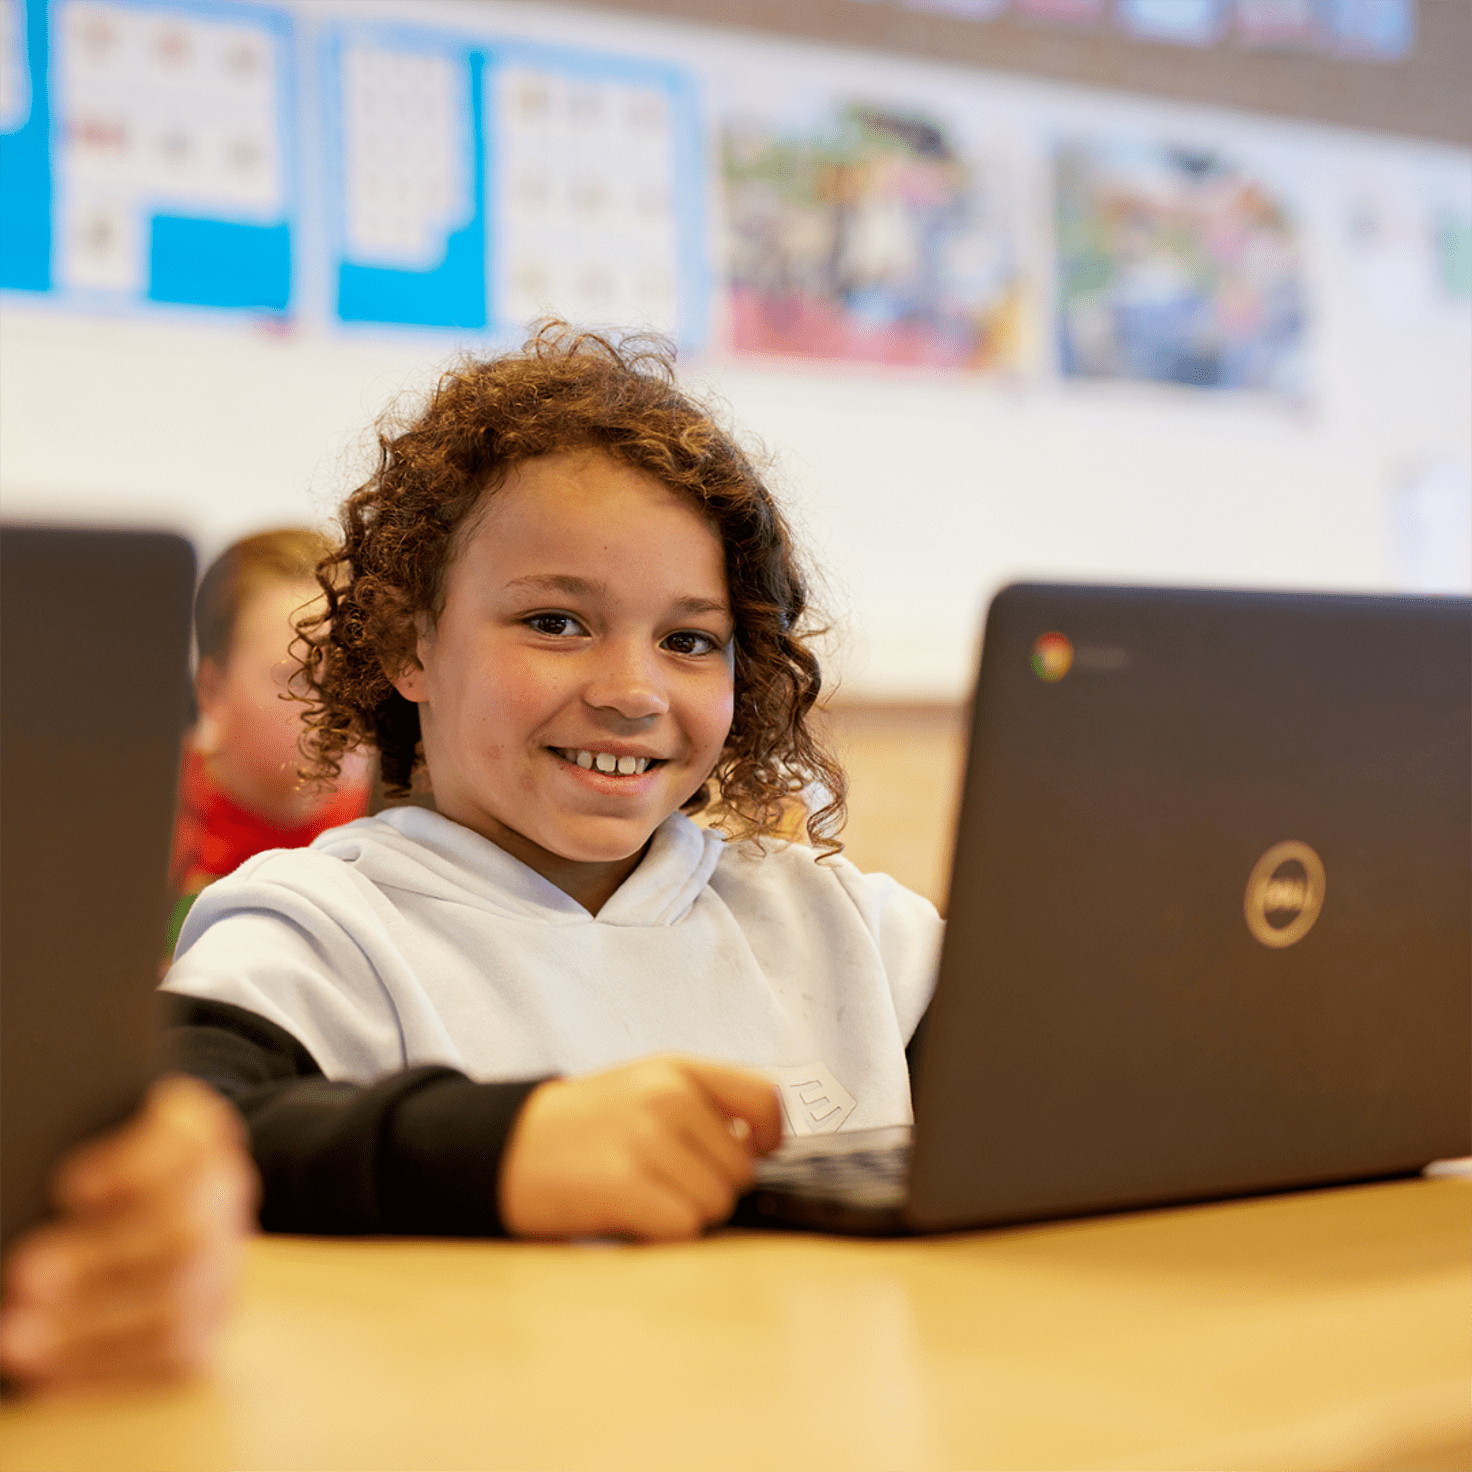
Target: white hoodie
x: 406, y: 939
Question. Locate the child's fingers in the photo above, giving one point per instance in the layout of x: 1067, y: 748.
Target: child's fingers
x: 137, y: 1330
x: 680, y: 1112
x: 88, y: 1257
x: 656, y: 1210
x: 702, y: 1164
x: 646, y: 1150
x: 181, y: 1126
x: 136, y: 1273
x: 740, y: 1094
x: 117, y: 1296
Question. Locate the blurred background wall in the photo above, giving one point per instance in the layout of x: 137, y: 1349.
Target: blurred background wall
x: 1165, y: 290
x: 1151, y: 290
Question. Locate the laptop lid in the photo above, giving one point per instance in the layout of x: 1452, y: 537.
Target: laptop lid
x: 1208, y: 931
x: 94, y: 629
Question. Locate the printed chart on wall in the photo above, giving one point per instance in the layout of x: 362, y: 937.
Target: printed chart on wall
x: 1176, y: 264
x: 145, y: 157
x: 404, y: 113
x: 484, y: 188
x: 597, y: 187
x: 869, y: 230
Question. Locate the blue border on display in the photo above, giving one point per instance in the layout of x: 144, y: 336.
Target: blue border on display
x: 25, y: 168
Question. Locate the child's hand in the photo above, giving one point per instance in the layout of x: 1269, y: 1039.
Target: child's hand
x: 656, y: 1150
x: 132, y: 1280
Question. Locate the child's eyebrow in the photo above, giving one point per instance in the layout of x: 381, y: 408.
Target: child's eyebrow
x: 554, y: 582
x: 574, y: 587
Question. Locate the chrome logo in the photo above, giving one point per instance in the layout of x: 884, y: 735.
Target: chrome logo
x: 1052, y: 657
x: 1285, y: 893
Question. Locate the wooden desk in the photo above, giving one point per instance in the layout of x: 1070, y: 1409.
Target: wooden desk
x: 1323, y: 1330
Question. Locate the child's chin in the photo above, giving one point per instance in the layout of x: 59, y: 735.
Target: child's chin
x: 610, y: 843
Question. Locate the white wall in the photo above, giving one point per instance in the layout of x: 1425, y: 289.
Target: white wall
x: 919, y: 493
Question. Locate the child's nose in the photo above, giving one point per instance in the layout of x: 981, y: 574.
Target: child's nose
x: 628, y: 682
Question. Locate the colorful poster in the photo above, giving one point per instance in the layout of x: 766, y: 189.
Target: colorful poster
x: 1176, y: 265
x: 596, y: 194
x: 169, y: 168
x: 866, y: 232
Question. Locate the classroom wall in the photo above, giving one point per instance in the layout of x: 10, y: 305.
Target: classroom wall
x: 920, y: 490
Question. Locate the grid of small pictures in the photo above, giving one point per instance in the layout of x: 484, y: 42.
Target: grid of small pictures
x: 163, y: 115
x: 586, y: 197
x: 406, y: 154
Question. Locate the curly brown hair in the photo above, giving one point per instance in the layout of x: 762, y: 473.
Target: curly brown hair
x: 401, y: 530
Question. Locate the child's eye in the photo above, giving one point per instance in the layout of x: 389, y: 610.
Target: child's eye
x: 689, y: 641
x: 557, y: 625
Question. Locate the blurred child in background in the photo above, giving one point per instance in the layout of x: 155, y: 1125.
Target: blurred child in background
x: 239, y: 791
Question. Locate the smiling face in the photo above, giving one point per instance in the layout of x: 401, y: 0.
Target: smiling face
x: 577, y: 686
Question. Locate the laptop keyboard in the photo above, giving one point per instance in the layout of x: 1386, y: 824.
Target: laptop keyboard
x: 861, y: 1167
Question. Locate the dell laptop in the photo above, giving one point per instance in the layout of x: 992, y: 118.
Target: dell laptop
x: 1210, y: 919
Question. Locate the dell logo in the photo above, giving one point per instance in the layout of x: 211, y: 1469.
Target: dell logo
x: 1285, y: 893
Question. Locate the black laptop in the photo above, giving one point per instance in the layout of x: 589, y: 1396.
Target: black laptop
x: 94, y: 631
x: 1210, y: 919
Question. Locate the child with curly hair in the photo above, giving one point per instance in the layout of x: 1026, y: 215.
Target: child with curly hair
x: 555, y: 1005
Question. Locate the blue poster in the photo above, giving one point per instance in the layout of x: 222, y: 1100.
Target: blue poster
x: 149, y: 157
x: 25, y: 147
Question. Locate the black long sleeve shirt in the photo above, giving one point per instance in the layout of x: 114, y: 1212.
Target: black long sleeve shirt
x: 418, y: 1152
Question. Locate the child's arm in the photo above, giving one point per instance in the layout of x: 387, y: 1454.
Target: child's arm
x: 647, y: 1150
x: 415, y: 1153
x: 132, y: 1279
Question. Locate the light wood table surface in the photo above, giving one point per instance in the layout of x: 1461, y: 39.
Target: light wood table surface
x: 1328, y: 1329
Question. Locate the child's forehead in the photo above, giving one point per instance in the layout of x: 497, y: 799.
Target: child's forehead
x: 569, y: 487
x: 271, y: 590
x: 618, y: 534
x: 272, y: 603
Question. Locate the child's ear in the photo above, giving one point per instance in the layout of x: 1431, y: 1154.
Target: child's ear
x: 208, y: 680
x: 409, y: 681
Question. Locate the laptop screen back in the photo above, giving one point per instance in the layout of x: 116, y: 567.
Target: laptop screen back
x: 94, y: 634
x: 1209, y: 922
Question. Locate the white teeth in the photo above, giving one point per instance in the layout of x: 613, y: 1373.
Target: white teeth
x: 605, y: 761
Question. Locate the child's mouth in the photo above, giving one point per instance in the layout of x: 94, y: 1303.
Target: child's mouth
x: 606, y: 763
